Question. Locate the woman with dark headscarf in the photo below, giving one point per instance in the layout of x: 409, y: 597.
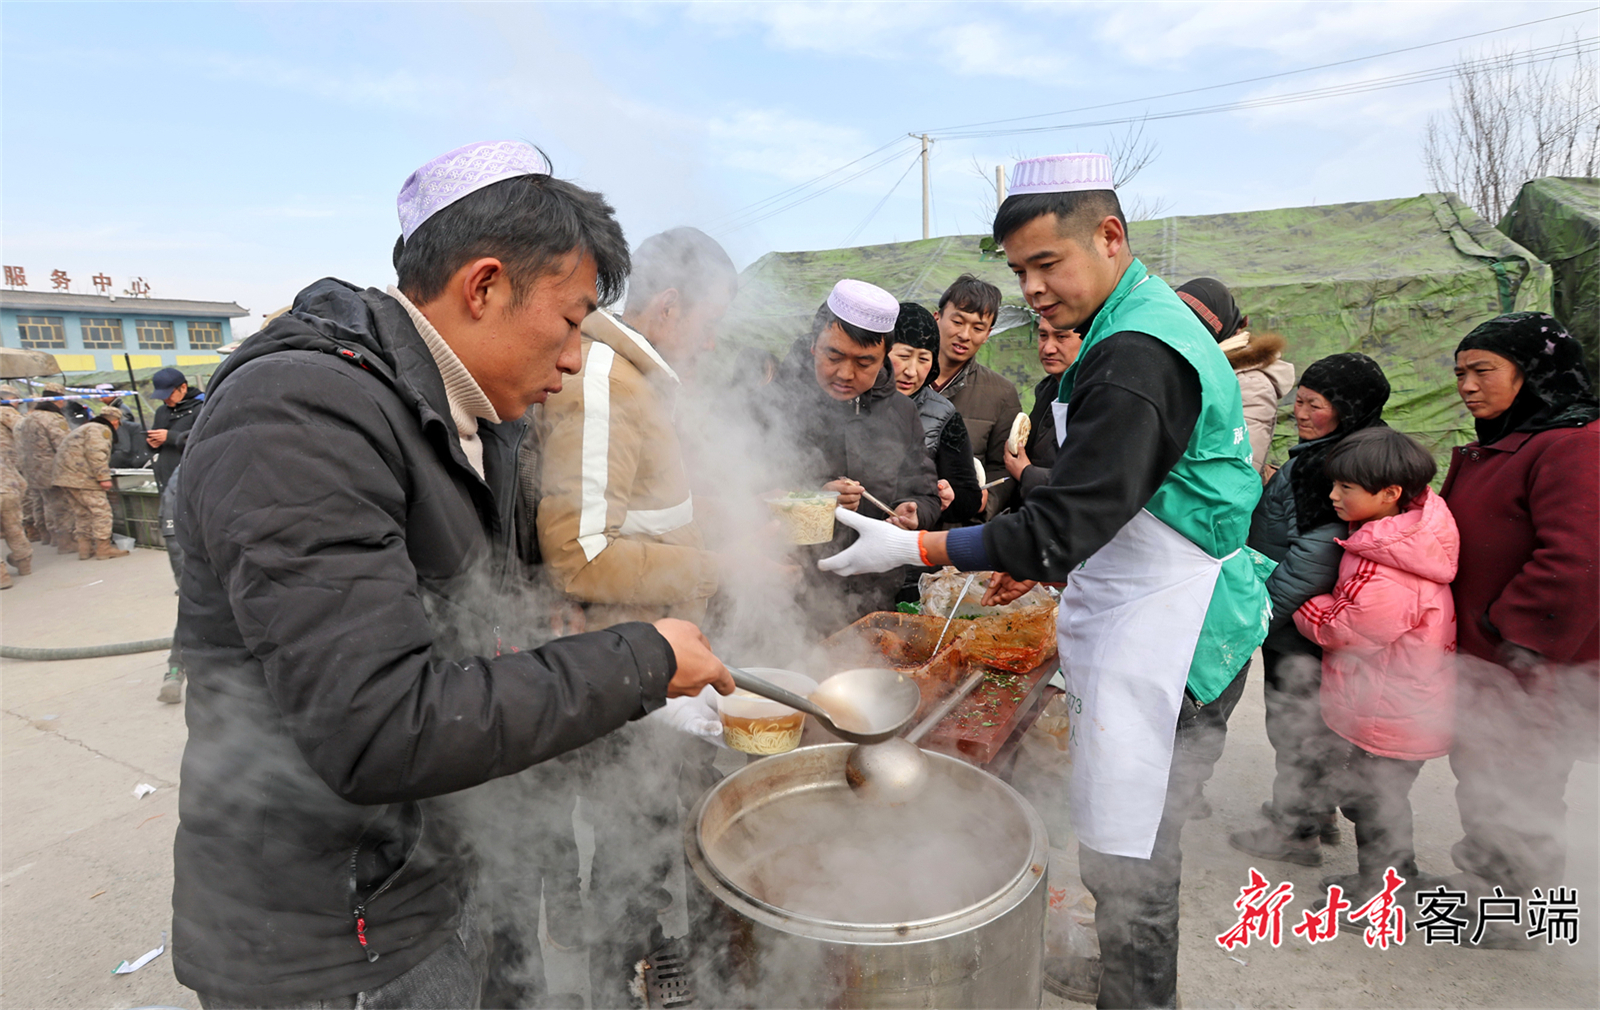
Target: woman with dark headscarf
x: 1257, y: 359
x: 1295, y: 525
x: 913, y: 349
x: 1526, y: 497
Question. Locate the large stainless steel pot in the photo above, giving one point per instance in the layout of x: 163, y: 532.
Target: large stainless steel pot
x: 955, y: 919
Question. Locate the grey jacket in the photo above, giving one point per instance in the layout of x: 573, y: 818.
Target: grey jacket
x: 1308, y: 563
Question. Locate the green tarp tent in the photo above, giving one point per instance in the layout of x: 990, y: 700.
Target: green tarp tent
x: 1558, y: 220
x: 1401, y: 280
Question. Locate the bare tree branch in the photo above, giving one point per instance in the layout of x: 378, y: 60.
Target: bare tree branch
x: 1514, y: 117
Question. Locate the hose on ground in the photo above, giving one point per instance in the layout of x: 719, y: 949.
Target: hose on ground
x: 86, y: 651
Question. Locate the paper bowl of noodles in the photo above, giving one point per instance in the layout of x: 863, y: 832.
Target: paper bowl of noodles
x: 756, y: 725
x: 806, y: 516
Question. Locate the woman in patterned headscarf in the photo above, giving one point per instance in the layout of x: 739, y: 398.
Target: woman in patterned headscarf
x: 1526, y: 497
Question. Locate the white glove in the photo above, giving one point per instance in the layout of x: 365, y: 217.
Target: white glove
x: 879, y: 548
x: 695, y: 715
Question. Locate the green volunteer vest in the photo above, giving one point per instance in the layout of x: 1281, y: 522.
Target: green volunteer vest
x: 1209, y: 495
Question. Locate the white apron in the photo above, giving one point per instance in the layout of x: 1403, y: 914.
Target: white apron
x: 1129, y: 621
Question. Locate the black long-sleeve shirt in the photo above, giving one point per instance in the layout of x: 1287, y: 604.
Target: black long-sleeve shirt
x: 1041, y: 441
x: 1133, y: 408
x: 952, y: 458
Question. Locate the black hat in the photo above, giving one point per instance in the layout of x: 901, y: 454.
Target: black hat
x: 166, y: 382
x: 1210, y: 300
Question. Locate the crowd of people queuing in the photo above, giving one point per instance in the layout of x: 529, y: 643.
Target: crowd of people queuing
x: 449, y: 535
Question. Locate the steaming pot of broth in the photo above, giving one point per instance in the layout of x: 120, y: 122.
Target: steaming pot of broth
x: 819, y: 899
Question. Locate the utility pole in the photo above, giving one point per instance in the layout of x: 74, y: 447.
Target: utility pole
x: 925, y: 197
x: 999, y: 185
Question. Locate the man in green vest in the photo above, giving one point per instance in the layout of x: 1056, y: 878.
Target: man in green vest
x: 1144, y: 522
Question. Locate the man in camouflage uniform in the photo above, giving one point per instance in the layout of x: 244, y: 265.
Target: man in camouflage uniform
x: 83, y: 474
x: 39, y: 435
x: 12, y: 490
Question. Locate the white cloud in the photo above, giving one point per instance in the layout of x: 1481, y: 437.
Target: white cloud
x: 1298, y: 32
x: 405, y: 90
x: 849, y: 29
x: 775, y: 143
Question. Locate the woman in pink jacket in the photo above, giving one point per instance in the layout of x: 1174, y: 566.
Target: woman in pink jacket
x: 1387, y: 632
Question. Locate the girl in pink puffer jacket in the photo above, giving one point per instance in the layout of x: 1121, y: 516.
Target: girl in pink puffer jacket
x: 1388, y: 634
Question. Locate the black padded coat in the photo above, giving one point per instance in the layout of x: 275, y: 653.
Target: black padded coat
x: 350, y: 619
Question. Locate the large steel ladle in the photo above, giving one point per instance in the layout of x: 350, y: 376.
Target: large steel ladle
x: 895, y: 770
x: 863, y: 706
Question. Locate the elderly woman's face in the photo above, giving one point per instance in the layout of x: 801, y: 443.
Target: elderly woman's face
x: 1314, y: 416
x: 1488, y: 383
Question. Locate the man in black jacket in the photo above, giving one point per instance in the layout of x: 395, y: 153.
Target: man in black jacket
x: 169, y: 433
x: 129, y: 448
x: 849, y: 430
x: 350, y: 613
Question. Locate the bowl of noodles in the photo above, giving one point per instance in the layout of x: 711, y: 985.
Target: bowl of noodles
x: 805, y: 516
x: 757, y: 725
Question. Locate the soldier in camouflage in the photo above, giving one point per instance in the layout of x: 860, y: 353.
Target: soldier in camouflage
x: 83, y: 474
x: 12, y: 490
x: 39, y: 435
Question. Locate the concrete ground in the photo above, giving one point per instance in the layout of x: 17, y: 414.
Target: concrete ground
x: 86, y: 869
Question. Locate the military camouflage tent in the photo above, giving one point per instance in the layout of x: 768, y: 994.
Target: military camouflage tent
x: 1401, y: 280
x: 1558, y: 220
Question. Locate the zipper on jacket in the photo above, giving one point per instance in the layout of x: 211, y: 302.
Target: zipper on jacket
x: 360, y: 911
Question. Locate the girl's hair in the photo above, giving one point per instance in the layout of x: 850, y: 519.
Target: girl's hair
x: 1379, y: 457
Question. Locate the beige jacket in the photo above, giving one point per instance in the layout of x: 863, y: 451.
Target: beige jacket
x: 39, y: 434
x: 11, y: 480
x: 616, y: 519
x: 84, y: 458
x: 1264, y: 380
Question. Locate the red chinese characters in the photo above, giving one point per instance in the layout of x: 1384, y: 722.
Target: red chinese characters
x: 1316, y: 927
x: 1386, y: 915
x: 1260, y: 908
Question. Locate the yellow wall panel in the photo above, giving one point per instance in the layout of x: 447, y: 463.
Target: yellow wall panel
x: 76, y: 362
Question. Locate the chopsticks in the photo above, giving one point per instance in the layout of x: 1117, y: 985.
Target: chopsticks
x: 868, y: 496
x: 889, y: 511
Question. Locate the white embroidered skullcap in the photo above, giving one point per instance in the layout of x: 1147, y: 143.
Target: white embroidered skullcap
x: 1061, y: 173
x: 865, y: 305
x: 449, y: 177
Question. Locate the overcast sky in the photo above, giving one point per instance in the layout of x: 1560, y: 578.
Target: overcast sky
x: 237, y: 152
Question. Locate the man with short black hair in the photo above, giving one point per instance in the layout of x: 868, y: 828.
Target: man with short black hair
x: 1144, y: 519
x: 352, y: 616
x: 987, y: 400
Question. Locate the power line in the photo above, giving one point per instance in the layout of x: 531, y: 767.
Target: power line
x: 1265, y: 77
x: 804, y: 192
x: 729, y: 220
x: 798, y: 200
x: 879, y: 206
x: 1542, y: 54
